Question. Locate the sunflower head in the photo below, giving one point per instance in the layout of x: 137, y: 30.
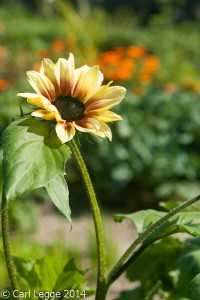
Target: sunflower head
x: 74, y: 99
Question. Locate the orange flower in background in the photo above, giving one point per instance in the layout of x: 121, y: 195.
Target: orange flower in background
x: 58, y: 46
x: 125, y: 69
x: 4, y: 84
x: 151, y: 63
x: 136, y: 51
x: 43, y: 53
x: 145, y: 77
x: 121, y: 50
x: 121, y: 70
x: 122, y: 63
x: 36, y: 66
x: 110, y: 57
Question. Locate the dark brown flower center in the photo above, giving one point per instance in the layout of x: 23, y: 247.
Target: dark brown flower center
x: 71, y: 109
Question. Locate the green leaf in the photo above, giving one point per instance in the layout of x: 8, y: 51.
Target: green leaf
x: 136, y: 294
x: 169, y: 205
x: 195, y: 288
x: 58, y: 191
x: 141, y: 219
x: 39, y: 274
x: 160, y: 258
x: 70, y: 278
x: 189, y: 264
x: 50, y: 274
x: 34, y: 157
x: 188, y: 222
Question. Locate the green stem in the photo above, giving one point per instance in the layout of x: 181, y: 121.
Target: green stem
x: 139, y: 244
x: 6, y: 243
x: 101, y: 286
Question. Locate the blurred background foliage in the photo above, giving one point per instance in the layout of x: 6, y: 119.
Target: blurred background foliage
x: 151, y: 48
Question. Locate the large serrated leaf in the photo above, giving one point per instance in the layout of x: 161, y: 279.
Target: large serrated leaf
x: 33, y: 157
x: 58, y: 191
x: 188, y: 222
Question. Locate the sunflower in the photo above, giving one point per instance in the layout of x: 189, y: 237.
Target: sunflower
x: 73, y: 98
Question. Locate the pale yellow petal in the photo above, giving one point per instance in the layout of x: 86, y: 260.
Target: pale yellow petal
x: 40, y: 102
x: 52, y: 108
x: 96, y: 91
x: 65, y: 131
x: 102, y: 105
x: 104, y: 131
x: 42, y: 85
x: 87, y: 124
x: 64, y: 70
x: 106, y: 93
x: 79, y: 72
x: 87, y: 81
x: 48, y: 69
x: 28, y: 95
x: 43, y: 114
x: 106, y: 116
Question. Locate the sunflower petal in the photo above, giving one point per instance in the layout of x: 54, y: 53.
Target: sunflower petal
x: 65, y: 74
x: 106, y: 116
x: 79, y: 72
x: 102, y: 105
x: 42, y: 85
x: 87, y: 81
x: 28, y: 95
x: 48, y: 69
x: 65, y: 132
x: 104, y: 131
x: 87, y: 124
x: 40, y: 102
x: 40, y: 113
x: 107, y: 92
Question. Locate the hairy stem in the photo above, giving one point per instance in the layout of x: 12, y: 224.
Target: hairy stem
x: 101, y: 286
x: 6, y: 243
x: 139, y: 244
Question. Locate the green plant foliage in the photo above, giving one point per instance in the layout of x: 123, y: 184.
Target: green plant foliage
x: 189, y: 265
x: 166, y: 268
x: 58, y: 192
x: 136, y: 294
x: 34, y: 157
x: 182, y: 222
x: 159, y: 133
x: 70, y: 276
x: 50, y: 274
x: 195, y: 287
x: 152, y: 267
x: 171, y: 204
x: 155, y: 149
